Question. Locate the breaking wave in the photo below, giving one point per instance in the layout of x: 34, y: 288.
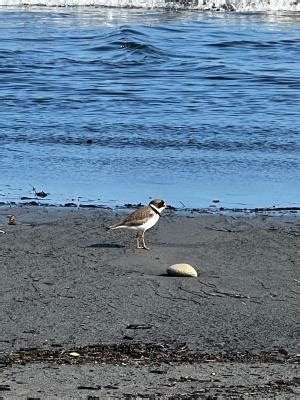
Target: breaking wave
x: 205, y: 5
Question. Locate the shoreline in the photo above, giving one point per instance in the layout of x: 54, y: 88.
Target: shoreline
x: 211, y: 209
x: 208, y: 8
x: 69, y: 286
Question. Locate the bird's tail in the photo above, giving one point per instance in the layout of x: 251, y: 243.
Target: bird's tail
x: 116, y: 226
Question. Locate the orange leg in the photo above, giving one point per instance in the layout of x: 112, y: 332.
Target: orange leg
x: 143, y: 242
x: 138, y: 236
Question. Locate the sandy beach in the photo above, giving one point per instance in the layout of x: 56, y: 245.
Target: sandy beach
x: 68, y: 284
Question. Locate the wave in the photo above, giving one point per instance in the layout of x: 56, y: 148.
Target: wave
x: 259, y: 140
x: 205, y: 5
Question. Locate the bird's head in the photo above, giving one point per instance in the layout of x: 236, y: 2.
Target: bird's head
x: 158, y: 204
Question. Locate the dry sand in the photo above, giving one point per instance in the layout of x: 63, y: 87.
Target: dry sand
x: 67, y: 282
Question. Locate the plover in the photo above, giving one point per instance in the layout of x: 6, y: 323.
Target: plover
x: 12, y: 220
x: 141, y: 220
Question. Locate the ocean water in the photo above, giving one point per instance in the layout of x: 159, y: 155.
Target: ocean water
x: 113, y: 106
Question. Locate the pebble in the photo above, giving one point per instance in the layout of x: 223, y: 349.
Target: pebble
x: 74, y: 354
x: 182, y: 270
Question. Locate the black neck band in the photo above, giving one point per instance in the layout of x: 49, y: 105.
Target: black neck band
x: 155, y: 210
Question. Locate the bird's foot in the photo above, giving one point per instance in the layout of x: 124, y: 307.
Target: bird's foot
x: 143, y: 247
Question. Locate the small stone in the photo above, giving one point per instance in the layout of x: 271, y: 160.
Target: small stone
x: 74, y: 354
x: 182, y: 270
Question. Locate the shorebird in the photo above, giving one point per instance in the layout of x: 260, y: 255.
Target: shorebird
x: 12, y: 220
x: 141, y: 220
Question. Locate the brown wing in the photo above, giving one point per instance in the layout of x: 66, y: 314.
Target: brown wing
x: 136, y: 218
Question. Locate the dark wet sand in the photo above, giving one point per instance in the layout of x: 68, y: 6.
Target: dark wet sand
x: 67, y: 282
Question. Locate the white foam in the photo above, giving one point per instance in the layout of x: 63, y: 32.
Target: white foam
x: 233, y: 5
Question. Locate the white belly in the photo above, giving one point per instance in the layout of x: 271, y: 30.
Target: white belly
x: 147, y: 225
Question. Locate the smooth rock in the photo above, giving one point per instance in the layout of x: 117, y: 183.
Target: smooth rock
x: 74, y: 354
x: 182, y: 270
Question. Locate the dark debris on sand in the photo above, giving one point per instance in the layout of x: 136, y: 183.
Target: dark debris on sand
x: 142, y: 353
x: 213, y: 380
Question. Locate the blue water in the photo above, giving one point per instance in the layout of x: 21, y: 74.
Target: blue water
x: 186, y: 106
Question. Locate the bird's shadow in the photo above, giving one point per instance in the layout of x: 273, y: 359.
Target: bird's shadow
x: 106, y: 246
